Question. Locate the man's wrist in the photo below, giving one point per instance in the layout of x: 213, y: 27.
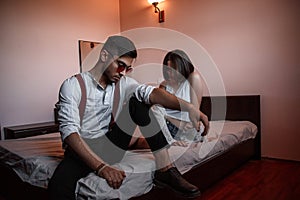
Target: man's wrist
x: 100, y: 168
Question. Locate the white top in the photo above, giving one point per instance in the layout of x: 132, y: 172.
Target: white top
x: 183, y: 92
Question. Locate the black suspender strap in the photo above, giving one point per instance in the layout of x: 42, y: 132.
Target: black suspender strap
x: 115, y: 103
x: 83, y: 97
x: 82, y: 103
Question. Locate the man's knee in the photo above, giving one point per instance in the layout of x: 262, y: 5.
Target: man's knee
x: 57, y: 191
x: 139, y: 112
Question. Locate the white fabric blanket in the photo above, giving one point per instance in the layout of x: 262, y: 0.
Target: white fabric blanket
x: 138, y: 166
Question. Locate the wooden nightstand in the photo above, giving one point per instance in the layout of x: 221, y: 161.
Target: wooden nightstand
x: 27, y: 130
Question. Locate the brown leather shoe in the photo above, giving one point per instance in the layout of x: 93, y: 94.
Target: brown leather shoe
x: 174, y: 180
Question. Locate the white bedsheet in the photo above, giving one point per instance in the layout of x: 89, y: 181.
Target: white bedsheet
x: 34, y: 160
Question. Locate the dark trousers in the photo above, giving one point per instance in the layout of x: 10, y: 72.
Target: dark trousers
x: 110, y: 148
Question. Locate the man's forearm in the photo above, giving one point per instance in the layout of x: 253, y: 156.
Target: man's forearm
x: 83, y: 151
x: 167, y: 100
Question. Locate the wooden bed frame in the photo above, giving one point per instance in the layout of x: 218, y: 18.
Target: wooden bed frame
x: 204, y: 175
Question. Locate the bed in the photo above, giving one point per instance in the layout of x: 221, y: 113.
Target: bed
x: 26, y: 171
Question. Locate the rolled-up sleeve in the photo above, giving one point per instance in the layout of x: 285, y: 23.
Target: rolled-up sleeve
x: 68, y: 112
x: 143, y: 92
x: 140, y: 91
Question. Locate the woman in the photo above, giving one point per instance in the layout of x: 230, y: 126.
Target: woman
x: 182, y: 80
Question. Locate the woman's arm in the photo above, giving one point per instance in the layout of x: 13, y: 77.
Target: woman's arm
x: 196, y: 83
x: 196, y: 92
x: 196, y: 89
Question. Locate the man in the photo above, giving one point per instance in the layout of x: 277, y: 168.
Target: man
x: 110, y: 127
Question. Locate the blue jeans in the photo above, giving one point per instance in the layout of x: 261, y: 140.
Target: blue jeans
x: 172, y: 128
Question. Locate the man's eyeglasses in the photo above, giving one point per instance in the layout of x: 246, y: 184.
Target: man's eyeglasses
x: 122, y: 66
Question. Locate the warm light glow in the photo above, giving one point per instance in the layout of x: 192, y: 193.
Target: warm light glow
x: 152, y: 1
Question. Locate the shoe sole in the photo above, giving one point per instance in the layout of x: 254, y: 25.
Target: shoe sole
x: 164, y: 185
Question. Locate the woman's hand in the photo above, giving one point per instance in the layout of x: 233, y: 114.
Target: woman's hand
x: 205, y: 122
x: 113, y: 176
x: 196, y: 117
x: 187, y: 126
x: 180, y: 143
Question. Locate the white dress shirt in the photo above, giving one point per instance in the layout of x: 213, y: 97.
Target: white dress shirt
x: 97, y: 115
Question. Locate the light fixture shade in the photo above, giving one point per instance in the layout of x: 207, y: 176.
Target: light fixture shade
x: 152, y: 1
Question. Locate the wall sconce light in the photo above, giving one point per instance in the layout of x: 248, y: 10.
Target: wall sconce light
x: 161, y: 13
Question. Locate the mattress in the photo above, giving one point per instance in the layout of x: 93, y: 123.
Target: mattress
x: 34, y: 160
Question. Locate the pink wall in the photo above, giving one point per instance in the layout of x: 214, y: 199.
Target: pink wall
x: 255, y: 45
x: 39, y: 49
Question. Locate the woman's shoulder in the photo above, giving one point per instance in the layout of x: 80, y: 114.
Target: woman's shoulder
x: 195, y: 77
x: 195, y: 74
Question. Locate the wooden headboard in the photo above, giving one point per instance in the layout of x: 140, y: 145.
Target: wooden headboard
x: 246, y: 107
x: 236, y: 108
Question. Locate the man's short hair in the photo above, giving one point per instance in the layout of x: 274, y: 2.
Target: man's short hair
x: 120, y: 46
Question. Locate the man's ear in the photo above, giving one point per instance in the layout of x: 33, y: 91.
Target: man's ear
x: 130, y: 69
x: 103, y: 55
